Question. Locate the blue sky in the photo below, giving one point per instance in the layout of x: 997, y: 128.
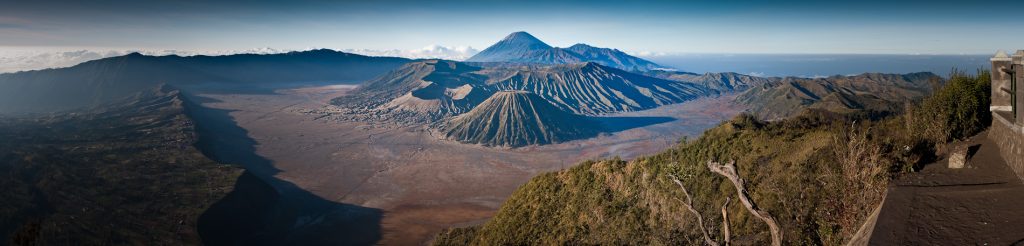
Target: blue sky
x: 857, y: 27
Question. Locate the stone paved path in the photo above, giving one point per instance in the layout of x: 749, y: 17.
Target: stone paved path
x: 982, y: 204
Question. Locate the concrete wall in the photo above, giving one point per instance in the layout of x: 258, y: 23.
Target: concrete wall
x: 1018, y: 68
x: 1010, y: 139
x: 1008, y: 131
x: 1000, y: 81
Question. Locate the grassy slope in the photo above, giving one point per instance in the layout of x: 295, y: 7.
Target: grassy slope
x: 633, y: 202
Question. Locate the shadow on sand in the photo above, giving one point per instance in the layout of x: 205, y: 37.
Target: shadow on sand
x: 253, y: 89
x: 264, y: 210
x: 618, y: 124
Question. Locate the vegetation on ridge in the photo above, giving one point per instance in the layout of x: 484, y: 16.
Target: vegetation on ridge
x: 820, y: 174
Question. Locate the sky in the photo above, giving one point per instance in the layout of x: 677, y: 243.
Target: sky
x: 459, y: 28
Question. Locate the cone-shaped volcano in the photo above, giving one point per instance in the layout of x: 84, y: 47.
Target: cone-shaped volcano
x: 518, y: 118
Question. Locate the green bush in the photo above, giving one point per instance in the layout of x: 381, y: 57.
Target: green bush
x: 957, y: 110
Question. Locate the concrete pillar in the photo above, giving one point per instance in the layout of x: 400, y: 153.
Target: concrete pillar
x: 1018, y: 68
x: 1000, y: 81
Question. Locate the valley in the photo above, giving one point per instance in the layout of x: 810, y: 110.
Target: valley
x: 521, y: 142
x: 421, y: 182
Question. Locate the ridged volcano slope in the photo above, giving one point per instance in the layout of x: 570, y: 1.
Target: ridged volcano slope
x: 592, y: 89
x: 518, y: 118
x: 429, y: 91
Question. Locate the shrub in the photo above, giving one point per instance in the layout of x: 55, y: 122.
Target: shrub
x: 955, y: 111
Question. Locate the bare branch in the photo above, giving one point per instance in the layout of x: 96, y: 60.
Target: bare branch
x: 689, y: 205
x: 725, y: 221
x: 729, y: 171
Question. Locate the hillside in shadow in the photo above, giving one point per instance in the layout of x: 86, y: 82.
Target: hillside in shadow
x: 264, y: 210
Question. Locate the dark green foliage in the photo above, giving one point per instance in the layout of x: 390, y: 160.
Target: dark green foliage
x: 957, y: 110
x: 456, y: 236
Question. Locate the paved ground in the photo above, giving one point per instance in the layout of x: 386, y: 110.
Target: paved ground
x: 979, y: 205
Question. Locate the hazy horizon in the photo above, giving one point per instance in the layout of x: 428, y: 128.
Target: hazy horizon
x: 788, y: 27
x: 757, y: 64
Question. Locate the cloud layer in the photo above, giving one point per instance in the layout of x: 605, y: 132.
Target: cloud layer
x: 457, y: 53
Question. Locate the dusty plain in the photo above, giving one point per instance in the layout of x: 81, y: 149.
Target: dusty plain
x: 422, y: 183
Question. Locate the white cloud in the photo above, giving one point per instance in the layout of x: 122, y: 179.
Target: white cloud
x: 648, y: 53
x: 756, y: 74
x: 457, y: 53
x: 13, y: 61
x: 23, y: 60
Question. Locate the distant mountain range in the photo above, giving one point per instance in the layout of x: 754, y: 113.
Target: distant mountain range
x: 98, y: 81
x: 521, y: 47
x: 723, y: 82
x: 787, y: 97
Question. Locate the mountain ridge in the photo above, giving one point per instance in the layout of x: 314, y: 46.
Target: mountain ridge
x: 868, y: 91
x: 95, y: 82
x: 128, y: 172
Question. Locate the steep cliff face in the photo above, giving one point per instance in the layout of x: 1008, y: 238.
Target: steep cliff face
x: 518, y: 118
x: 125, y: 174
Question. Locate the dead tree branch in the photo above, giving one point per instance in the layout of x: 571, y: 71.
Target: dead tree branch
x: 725, y: 220
x: 689, y: 205
x: 729, y: 171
